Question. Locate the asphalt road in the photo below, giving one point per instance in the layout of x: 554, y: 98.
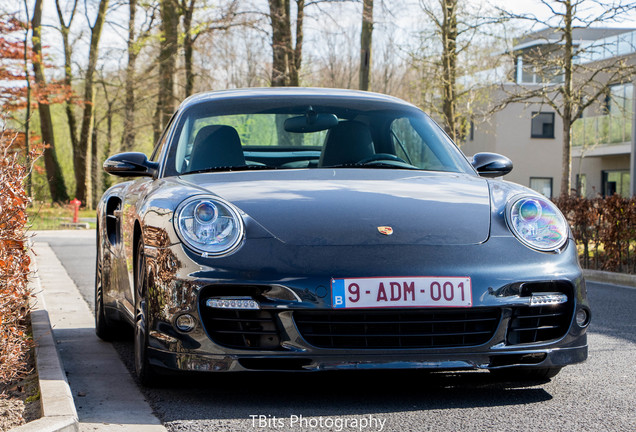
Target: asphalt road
x: 598, y: 395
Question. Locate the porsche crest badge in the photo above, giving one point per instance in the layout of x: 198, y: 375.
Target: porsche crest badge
x: 386, y: 230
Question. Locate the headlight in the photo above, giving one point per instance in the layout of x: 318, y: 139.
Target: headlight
x: 209, y: 226
x: 537, y: 223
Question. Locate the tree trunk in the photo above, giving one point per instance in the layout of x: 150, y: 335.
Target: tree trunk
x: 167, y: 63
x: 566, y: 167
x: 83, y: 175
x: 68, y: 74
x: 365, y: 44
x: 449, y: 66
x: 282, y: 52
x: 298, y: 49
x: 57, y: 187
x: 95, y: 162
x: 568, y: 99
x: 128, y: 141
x: 27, y: 113
x: 188, y: 47
x: 106, y: 179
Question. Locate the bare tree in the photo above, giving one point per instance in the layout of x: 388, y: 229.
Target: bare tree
x: 189, y: 37
x: 565, y: 80
x: 366, y: 36
x: 287, y: 54
x: 449, y: 32
x: 110, y: 96
x: 282, y: 52
x: 458, y: 27
x: 65, y: 28
x: 82, y: 153
x: 138, y: 35
x: 128, y: 138
x: 193, y: 30
x: 29, y: 90
x: 169, y: 43
x: 56, y: 184
x: 298, y: 46
x: 390, y: 76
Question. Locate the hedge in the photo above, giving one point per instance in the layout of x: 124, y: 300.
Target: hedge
x: 604, y: 229
x: 14, y: 263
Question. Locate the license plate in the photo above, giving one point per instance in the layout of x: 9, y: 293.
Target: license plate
x: 401, y: 292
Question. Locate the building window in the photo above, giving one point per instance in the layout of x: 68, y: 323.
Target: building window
x: 542, y: 125
x: 533, y: 69
x: 616, y: 182
x: 543, y: 185
x: 618, y: 100
x: 581, y: 185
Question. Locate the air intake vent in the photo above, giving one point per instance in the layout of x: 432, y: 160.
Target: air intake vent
x: 372, y: 329
x: 535, y: 324
x: 243, y: 329
x: 539, y: 324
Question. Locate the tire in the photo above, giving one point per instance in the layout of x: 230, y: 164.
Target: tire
x: 144, y: 371
x: 104, y: 328
x: 526, y: 374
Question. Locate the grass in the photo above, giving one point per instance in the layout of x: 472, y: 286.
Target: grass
x: 45, y: 216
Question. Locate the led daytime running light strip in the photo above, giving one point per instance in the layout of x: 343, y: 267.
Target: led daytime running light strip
x: 233, y: 303
x: 546, y: 299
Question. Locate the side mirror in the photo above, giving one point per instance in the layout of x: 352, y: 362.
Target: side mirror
x: 132, y: 164
x: 491, y: 164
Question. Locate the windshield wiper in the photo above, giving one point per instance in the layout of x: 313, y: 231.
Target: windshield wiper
x: 376, y: 164
x: 230, y: 168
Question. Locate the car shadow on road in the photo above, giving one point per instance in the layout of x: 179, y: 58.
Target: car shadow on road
x: 337, y: 393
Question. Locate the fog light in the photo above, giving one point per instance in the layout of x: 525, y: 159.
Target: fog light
x: 582, y: 318
x: 546, y: 299
x: 185, y: 322
x: 232, y: 303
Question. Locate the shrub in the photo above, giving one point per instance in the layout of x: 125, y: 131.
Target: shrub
x: 604, y: 229
x: 14, y: 262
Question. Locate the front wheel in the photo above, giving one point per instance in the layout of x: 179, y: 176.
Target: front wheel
x: 104, y: 328
x: 143, y: 369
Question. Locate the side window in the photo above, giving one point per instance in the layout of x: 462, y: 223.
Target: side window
x: 162, y: 141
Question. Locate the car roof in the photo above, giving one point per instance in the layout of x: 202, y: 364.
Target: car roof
x: 294, y: 94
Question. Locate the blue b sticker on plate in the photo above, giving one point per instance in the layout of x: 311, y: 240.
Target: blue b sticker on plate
x: 338, y: 293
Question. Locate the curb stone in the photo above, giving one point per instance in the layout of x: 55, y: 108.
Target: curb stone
x: 56, y: 399
x: 110, y: 400
x: 622, y: 279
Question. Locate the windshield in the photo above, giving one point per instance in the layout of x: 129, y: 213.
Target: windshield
x: 309, y: 136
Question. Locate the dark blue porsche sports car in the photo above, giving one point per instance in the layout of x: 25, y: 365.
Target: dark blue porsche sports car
x: 318, y: 229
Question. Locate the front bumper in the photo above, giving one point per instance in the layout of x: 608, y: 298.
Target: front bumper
x: 557, y: 357
x: 180, y: 282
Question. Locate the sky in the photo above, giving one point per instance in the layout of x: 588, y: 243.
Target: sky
x: 402, y: 23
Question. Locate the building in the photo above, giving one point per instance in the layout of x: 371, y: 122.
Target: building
x: 530, y: 133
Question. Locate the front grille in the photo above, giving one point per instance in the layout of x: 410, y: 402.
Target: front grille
x: 243, y: 329
x: 539, y: 324
x: 398, y: 328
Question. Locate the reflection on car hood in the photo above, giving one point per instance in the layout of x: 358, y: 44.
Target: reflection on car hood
x: 346, y: 206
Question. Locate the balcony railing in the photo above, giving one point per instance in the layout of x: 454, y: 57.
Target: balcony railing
x: 602, y: 130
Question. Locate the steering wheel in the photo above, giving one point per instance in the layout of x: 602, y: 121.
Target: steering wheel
x: 382, y: 156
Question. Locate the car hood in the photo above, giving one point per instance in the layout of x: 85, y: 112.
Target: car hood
x: 339, y: 207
